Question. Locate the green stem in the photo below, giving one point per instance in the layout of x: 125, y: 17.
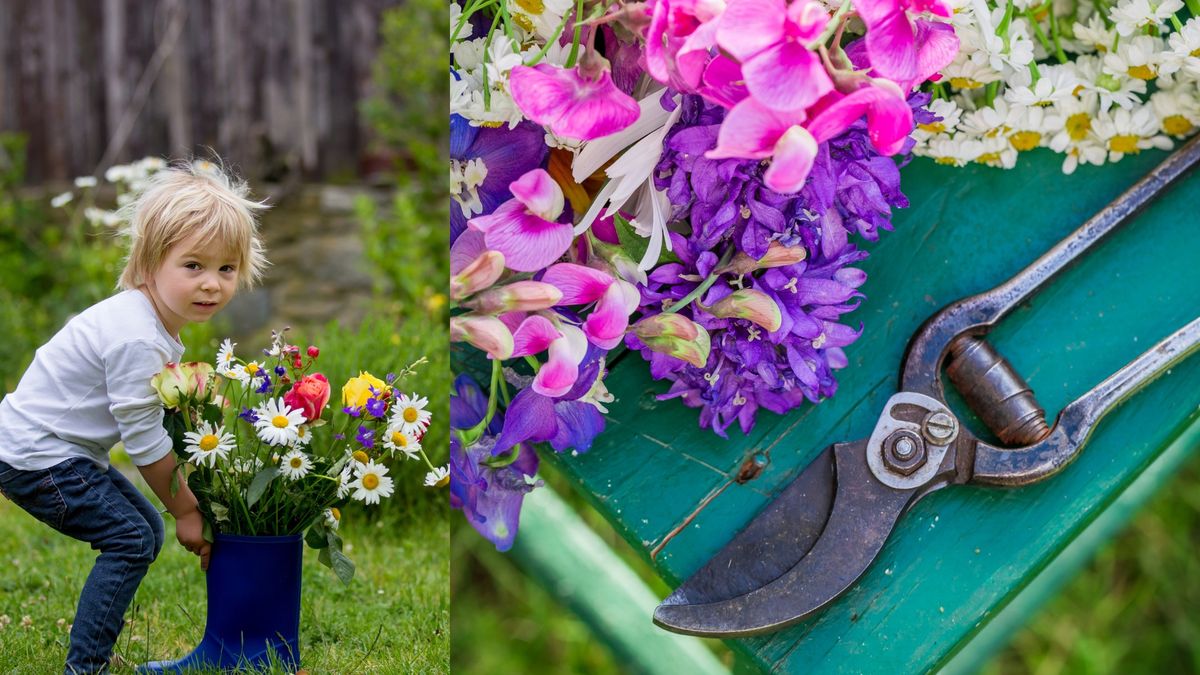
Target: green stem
x: 832, y: 27
x: 552, y: 41
x: 487, y: 87
x: 702, y: 288
x: 1176, y: 23
x: 1002, y: 29
x: 992, y: 88
x: 533, y: 363
x: 1033, y: 70
x: 1193, y: 6
x: 1037, y: 30
x: 575, y: 38
x: 1054, y: 34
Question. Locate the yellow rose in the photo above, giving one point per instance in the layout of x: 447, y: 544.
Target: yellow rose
x: 357, y: 391
x: 183, y: 383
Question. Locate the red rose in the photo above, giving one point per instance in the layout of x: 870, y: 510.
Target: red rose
x: 309, y: 395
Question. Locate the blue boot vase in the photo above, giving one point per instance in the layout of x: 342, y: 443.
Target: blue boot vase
x: 253, y: 608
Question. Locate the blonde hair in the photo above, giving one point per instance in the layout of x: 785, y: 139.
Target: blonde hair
x: 185, y: 199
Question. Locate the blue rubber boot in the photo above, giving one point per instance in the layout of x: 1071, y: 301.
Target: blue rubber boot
x: 253, y: 607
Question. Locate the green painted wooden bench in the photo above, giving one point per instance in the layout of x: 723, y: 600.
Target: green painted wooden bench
x: 968, y: 565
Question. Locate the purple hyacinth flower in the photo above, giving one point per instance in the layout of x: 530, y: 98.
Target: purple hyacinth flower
x: 376, y: 407
x: 249, y: 415
x: 353, y: 411
x: 265, y: 386
x: 280, y: 371
x: 507, y: 154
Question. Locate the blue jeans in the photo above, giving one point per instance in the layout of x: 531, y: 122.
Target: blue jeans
x: 81, y: 500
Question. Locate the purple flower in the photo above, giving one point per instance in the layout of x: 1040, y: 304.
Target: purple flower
x: 376, y: 406
x: 339, y: 437
x: 280, y: 371
x: 850, y: 190
x: 249, y: 415
x: 353, y: 411
x: 507, y: 154
x: 490, y: 498
x: 365, y: 436
x: 265, y: 386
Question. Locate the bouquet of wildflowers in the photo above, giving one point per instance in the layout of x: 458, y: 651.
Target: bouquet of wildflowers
x: 267, y: 455
x: 689, y: 179
x: 1093, y: 81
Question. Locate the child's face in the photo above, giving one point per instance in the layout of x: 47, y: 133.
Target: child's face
x: 194, y: 282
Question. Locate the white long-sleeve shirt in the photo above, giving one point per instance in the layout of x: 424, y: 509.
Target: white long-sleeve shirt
x: 89, y: 387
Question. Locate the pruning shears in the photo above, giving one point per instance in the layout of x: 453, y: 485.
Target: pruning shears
x: 825, y: 529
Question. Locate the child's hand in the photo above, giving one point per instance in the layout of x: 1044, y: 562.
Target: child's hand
x: 189, y: 530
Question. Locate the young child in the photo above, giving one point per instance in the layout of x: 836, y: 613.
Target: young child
x: 193, y: 243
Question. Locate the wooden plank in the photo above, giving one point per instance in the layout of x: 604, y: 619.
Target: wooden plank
x: 963, y: 552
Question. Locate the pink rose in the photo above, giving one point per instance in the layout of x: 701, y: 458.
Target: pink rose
x: 309, y: 395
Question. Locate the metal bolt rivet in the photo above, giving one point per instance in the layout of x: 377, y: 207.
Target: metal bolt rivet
x: 905, y: 448
x: 940, y: 427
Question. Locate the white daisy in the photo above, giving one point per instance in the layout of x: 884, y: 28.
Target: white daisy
x: 1126, y: 132
x: 244, y: 373
x: 1178, y: 112
x: 1028, y: 126
x: 207, y: 444
x: 1184, y: 50
x: 1095, y: 35
x: 278, y: 423
x: 1055, y: 84
x: 996, y: 152
x: 225, y: 358
x: 1138, y: 58
x: 540, y: 18
x: 438, y: 477
x: 963, y: 73
x: 371, y: 482
x: 1122, y: 90
x: 399, y: 441
x: 987, y: 122
x: 303, y: 436
x: 333, y: 517
x: 949, y: 114
x: 956, y: 151
x: 344, y: 482
x: 295, y: 465
x: 409, y: 413
x: 1131, y: 16
x: 245, y: 465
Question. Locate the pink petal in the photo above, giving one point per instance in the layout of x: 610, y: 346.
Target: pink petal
x: 466, y: 249
x: 695, y: 53
x: 750, y: 131
x: 558, y: 374
x: 528, y: 243
x: 750, y: 26
x: 656, y: 60
x: 579, y: 285
x: 539, y: 193
x: 937, y: 47
x: 605, y: 326
x: 935, y: 7
x: 794, y: 156
x: 786, y: 77
x: 891, y: 45
x: 889, y: 119
x: 570, y: 104
x: 874, y: 11
x: 533, y: 336
x: 806, y: 20
x: 723, y: 82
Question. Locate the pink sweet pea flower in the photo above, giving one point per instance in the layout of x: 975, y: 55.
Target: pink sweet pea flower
x: 901, y: 49
x: 615, y: 300
x: 770, y: 38
x: 679, y: 38
x: 524, y: 228
x: 753, y: 131
x: 558, y: 374
x: 571, y: 103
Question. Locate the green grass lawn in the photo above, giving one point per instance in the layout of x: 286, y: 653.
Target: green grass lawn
x: 394, y: 616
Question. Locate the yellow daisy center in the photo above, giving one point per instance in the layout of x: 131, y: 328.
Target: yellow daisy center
x: 1141, y: 72
x: 337, y: 515
x: 398, y: 438
x: 945, y: 161
x: 965, y: 83
x: 1078, y: 126
x: 296, y: 462
x: 208, y: 442
x: 443, y: 481
x: 280, y: 421
x: 1195, y: 52
x: 410, y: 415
x: 534, y: 7
x: 988, y: 158
x: 370, y: 481
x: 1177, y: 125
x: 252, y: 368
x: 361, y: 457
x: 1127, y: 143
x: 1025, y: 140
x: 934, y: 128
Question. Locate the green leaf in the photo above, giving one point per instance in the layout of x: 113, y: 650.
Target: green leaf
x: 220, y: 512
x: 212, y: 414
x: 633, y: 243
x: 259, y: 485
x: 315, y: 536
x: 343, y: 567
x: 207, y: 532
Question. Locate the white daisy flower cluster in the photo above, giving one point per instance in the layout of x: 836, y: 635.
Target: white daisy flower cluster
x: 480, y: 65
x: 1093, y: 82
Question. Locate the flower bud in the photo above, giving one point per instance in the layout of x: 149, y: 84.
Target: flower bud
x: 619, y: 263
x: 171, y: 384
x: 751, y: 305
x: 484, y: 332
x: 199, y: 375
x: 777, y: 255
x: 481, y: 273
x: 676, y: 336
x: 519, y: 296
x: 313, y: 352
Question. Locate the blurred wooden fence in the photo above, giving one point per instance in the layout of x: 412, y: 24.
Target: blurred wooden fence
x: 272, y: 85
